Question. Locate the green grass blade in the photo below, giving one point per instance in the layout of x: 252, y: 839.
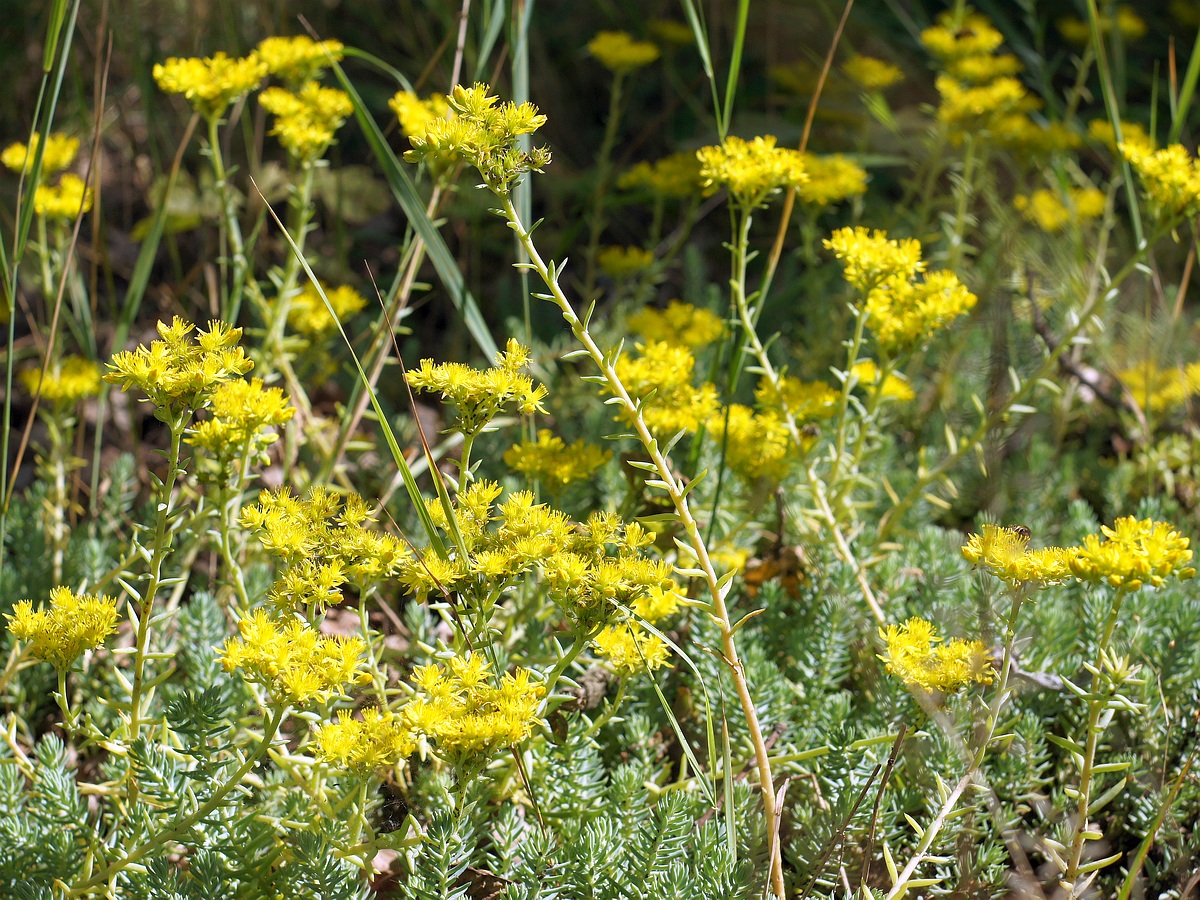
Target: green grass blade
x: 700, y: 36
x: 735, y: 65
x: 1186, y: 90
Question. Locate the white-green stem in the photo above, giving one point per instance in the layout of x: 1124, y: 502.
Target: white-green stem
x: 231, y: 231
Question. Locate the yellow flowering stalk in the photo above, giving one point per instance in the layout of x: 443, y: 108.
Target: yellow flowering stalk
x: 415, y: 114
x: 1160, y: 390
x: 955, y: 37
x: 757, y: 445
x: 1170, y: 178
x: 1133, y: 133
x: 871, y: 74
x: 239, y: 411
x: 831, y: 179
x: 294, y: 663
x: 916, y: 655
x: 306, y: 120
x: 1005, y: 553
x: 621, y: 262
x: 296, y: 60
x: 1125, y: 22
x: 751, y: 170
x: 618, y: 52
x: 66, y: 383
x: 73, y: 624
x: 309, y: 316
x: 551, y: 460
x: 805, y: 401
x: 1051, y: 212
x: 677, y: 175
x: 679, y: 325
x: 379, y: 739
x: 64, y: 201
x: 1133, y: 553
x: 211, y: 84
x: 662, y: 377
x: 60, y: 152
x: 894, y: 386
x: 972, y: 109
x: 466, y: 715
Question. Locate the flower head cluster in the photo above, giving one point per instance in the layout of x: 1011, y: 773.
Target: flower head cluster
x: 307, y: 119
x: 66, y: 383
x: 627, y: 647
x: 462, y: 710
x: 954, y: 38
x: 677, y: 175
x: 415, y: 114
x: 323, y: 541
x: 806, y: 401
x: 661, y: 377
x: 618, y: 52
x: 551, y: 460
x: 1126, y: 22
x: 1170, y: 178
x: 871, y: 74
x: 59, y: 154
x: 477, y: 395
x: 379, y: 739
x: 211, y: 84
x: 292, y: 661
x: 894, y: 387
x: 179, y: 373
x: 1051, y: 211
x: 679, y: 325
x: 916, y: 655
x: 831, y: 179
x: 903, y: 310
x: 1133, y: 553
x: 309, y: 316
x: 239, y: 411
x: 967, y: 109
x: 757, y: 445
x: 73, y: 623
x: 296, y: 60
x: 1005, y: 553
x: 485, y: 133
x: 621, y: 262
x: 751, y: 170
x: 1102, y: 132
x: 1159, y: 390
x: 64, y: 201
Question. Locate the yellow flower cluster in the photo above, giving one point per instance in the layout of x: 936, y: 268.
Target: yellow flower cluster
x: 978, y: 108
x: 415, y: 114
x: 751, y: 170
x: 211, y: 84
x: 1126, y: 22
x: 551, y: 460
x: 960, y: 37
x: 679, y: 325
x: 239, y: 411
x: 296, y: 60
x: 459, y: 709
x: 894, y: 387
x: 618, y: 52
x: 831, y: 179
x: 485, y: 133
x: 627, y: 647
x: 677, y: 175
x: 479, y: 396
x: 306, y: 120
x: 1170, y: 178
x: 178, y: 373
x: 757, y: 445
x: 903, y: 310
x: 621, y: 262
x: 292, y: 661
x: 916, y: 655
x: 1159, y: 390
x: 871, y: 74
x: 807, y: 401
x: 309, y: 316
x: 59, y: 154
x: 64, y: 201
x: 1134, y: 552
x: 1051, y: 212
x: 1102, y: 132
x: 670, y: 31
x: 323, y: 543
x: 67, y: 382
x: 662, y: 376
x: 380, y: 739
x: 73, y: 623
x: 1005, y: 553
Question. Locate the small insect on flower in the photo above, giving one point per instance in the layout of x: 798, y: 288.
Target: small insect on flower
x: 1020, y: 531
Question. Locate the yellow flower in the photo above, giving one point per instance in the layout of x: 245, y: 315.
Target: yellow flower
x: 71, y: 197
x: 629, y: 649
x: 831, y: 179
x: 677, y: 175
x: 306, y: 121
x: 211, y: 84
x: 912, y: 656
x: 972, y: 109
x: 240, y: 411
x: 73, y: 623
x: 308, y: 315
x: 807, y: 401
x: 378, y: 740
x: 617, y: 51
x: 66, y: 382
x: 1021, y: 136
x: 983, y: 67
x: 620, y: 262
x: 1133, y: 553
x: 679, y: 325
x: 756, y: 445
x: 1127, y: 23
x: 659, y: 603
x: 1170, y: 178
x: 59, y: 154
x: 1132, y: 133
x: 1046, y: 209
x: 954, y: 38
x: 415, y: 114
x: 1160, y: 390
x: 549, y: 459
x: 293, y: 662
x: 298, y: 59
x: 895, y: 387
x: 871, y: 74
x: 665, y: 372
x: 751, y: 170
x: 1005, y: 553
x: 870, y: 258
